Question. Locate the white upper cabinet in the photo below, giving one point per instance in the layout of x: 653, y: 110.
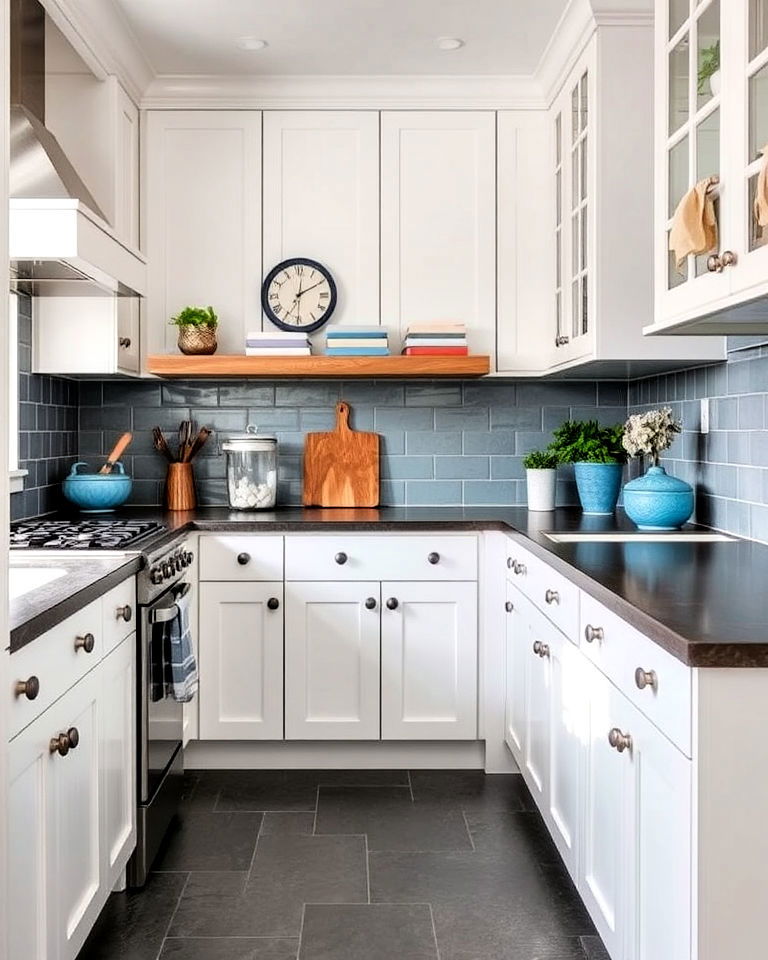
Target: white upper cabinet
x: 438, y: 221
x: 321, y: 200
x: 710, y: 121
x: 202, y: 221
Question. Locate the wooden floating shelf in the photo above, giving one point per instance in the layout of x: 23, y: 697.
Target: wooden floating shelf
x: 222, y: 365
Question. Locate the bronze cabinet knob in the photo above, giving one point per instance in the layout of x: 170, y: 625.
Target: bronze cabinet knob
x: 124, y: 613
x: 434, y: 558
x: 86, y: 643
x: 243, y: 558
x: 125, y: 342
x: 552, y: 596
x: 718, y: 262
x: 59, y: 744
x: 540, y: 649
x: 518, y: 568
x: 73, y: 735
x: 646, y: 678
x: 509, y: 606
x: 273, y: 603
x: 28, y: 688
x: 562, y: 340
x: 593, y: 633
x: 341, y: 558
x: 370, y: 603
x: 618, y: 740
x: 392, y: 603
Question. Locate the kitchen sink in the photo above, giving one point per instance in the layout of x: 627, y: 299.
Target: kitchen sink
x: 23, y: 580
x: 641, y: 536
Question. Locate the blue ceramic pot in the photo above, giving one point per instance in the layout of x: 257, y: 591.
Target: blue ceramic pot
x: 598, y: 485
x: 657, y: 501
x: 97, y: 492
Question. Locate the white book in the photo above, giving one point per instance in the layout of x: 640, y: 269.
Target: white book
x: 278, y: 352
x: 412, y: 341
x: 367, y: 342
x: 275, y: 335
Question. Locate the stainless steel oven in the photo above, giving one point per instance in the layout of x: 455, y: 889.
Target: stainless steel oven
x: 160, y: 717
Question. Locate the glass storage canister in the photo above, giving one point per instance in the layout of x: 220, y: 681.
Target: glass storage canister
x: 251, y: 469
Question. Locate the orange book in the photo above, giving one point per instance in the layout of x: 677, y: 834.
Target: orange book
x: 436, y: 351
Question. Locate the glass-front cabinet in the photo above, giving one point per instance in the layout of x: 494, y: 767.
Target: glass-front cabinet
x: 711, y: 121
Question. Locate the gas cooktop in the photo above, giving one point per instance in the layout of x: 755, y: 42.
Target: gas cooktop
x: 112, y: 534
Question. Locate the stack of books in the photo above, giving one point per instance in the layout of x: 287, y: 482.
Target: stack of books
x: 436, y: 340
x: 357, y: 342
x: 276, y: 343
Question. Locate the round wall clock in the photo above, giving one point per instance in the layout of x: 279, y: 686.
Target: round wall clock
x: 299, y: 294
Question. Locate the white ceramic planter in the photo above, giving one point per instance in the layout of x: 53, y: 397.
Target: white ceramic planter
x: 541, y: 489
x: 714, y: 83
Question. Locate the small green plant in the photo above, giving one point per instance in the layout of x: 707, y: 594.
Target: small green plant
x: 196, y: 317
x: 585, y: 441
x: 709, y: 64
x: 540, y: 460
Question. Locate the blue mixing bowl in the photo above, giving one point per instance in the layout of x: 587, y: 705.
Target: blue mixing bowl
x: 97, y: 492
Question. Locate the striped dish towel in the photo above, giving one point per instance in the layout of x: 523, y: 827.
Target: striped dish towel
x: 183, y: 666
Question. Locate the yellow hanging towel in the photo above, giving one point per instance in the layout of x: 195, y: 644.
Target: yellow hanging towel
x: 761, y: 193
x: 694, y: 225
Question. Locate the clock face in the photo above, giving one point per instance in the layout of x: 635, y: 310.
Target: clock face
x: 298, y: 294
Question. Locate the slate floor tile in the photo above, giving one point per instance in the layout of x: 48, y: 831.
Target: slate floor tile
x: 207, y: 883
x: 133, y: 924
x: 255, y: 790
x: 513, y: 835
x: 362, y: 778
x: 201, y: 790
x: 473, y: 789
x: 287, y: 823
x: 229, y: 948
x: 373, y: 931
x: 391, y: 820
x: 594, y: 949
x: 210, y: 841
x: 288, y: 871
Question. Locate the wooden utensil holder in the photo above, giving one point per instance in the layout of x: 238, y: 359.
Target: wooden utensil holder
x: 180, y: 487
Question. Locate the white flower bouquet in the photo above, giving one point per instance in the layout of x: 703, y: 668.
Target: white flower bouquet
x: 649, y: 434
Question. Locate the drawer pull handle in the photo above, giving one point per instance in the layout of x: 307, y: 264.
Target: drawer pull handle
x: 434, y: 558
x: 341, y: 558
x: 124, y: 613
x: 64, y: 742
x: 273, y: 603
x: 86, y: 643
x: 392, y: 603
x: 646, y: 678
x: 243, y: 559
x: 370, y: 603
x: 593, y: 633
x: 552, y: 596
x: 541, y: 649
x: 509, y: 606
x: 28, y: 688
x: 619, y: 741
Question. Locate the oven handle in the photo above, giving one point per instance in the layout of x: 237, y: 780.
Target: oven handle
x: 170, y: 611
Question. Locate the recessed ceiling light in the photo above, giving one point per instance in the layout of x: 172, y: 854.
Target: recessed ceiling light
x: 251, y: 43
x: 449, y: 43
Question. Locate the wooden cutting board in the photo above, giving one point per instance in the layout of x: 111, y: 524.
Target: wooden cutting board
x: 341, y: 468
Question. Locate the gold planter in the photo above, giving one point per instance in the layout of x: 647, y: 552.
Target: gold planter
x: 197, y: 339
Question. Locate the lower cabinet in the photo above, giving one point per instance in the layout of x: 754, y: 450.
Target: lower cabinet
x: 332, y: 657
x: 241, y: 660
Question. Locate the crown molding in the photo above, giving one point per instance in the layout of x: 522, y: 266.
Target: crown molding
x: 169, y: 92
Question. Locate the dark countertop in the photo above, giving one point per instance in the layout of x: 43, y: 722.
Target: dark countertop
x: 87, y: 577
x: 703, y: 602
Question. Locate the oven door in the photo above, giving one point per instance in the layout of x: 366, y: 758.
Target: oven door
x: 161, y: 717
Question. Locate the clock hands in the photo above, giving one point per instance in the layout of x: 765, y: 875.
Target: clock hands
x: 302, y: 292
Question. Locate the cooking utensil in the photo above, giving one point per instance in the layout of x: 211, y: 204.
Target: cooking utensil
x: 161, y: 443
x: 198, y: 443
x: 341, y: 468
x: 116, y: 452
x: 185, y: 435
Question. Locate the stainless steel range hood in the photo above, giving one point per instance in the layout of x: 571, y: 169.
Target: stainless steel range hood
x: 60, y: 243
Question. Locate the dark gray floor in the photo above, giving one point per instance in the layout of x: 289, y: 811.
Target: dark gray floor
x: 352, y: 865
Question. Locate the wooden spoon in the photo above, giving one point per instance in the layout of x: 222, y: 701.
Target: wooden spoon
x: 116, y: 452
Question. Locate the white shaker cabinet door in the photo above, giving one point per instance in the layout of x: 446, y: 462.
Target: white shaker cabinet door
x: 517, y: 647
x: 429, y: 661
x: 438, y: 221
x: 202, y: 221
x: 332, y: 661
x: 321, y: 200
x: 118, y: 758
x: 535, y: 767
x: 241, y: 661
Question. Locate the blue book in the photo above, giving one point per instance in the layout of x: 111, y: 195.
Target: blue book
x: 357, y: 352
x: 345, y: 333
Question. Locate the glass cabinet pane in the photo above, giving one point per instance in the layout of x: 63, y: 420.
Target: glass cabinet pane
x: 678, y: 174
x: 574, y: 178
x: 678, y: 84
x: 708, y: 146
x: 584, y: 306
x: 558, y: 140
x: 559, y: 197
x: 758, y: 112
x: 675, y: 276
x: 575, y: 311
x: 708, y: 54
x: 678, y: 11
x: 575, y: 114
x: 583, y: 166
x: 584, y: 102
x: 583, y: 261
x: 575, y: 245
x: 758, y: 27
x: 559, y: 259
x: 758, y: 236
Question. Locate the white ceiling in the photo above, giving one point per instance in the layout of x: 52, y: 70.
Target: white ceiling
x: 343, y: 37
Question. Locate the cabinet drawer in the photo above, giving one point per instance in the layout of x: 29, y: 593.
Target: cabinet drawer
x: 343, y: 557
x: 548, y: 590
x: 241, y: 557
x: 56, y: 662
x: 656, y: 682
x: 118, y: 610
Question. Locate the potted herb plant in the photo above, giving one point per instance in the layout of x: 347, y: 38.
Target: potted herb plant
x: 598, y: 458
x: 541, y: 475
x: 655, y: 501
x: 709, y: 69
x: 197, y: 330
